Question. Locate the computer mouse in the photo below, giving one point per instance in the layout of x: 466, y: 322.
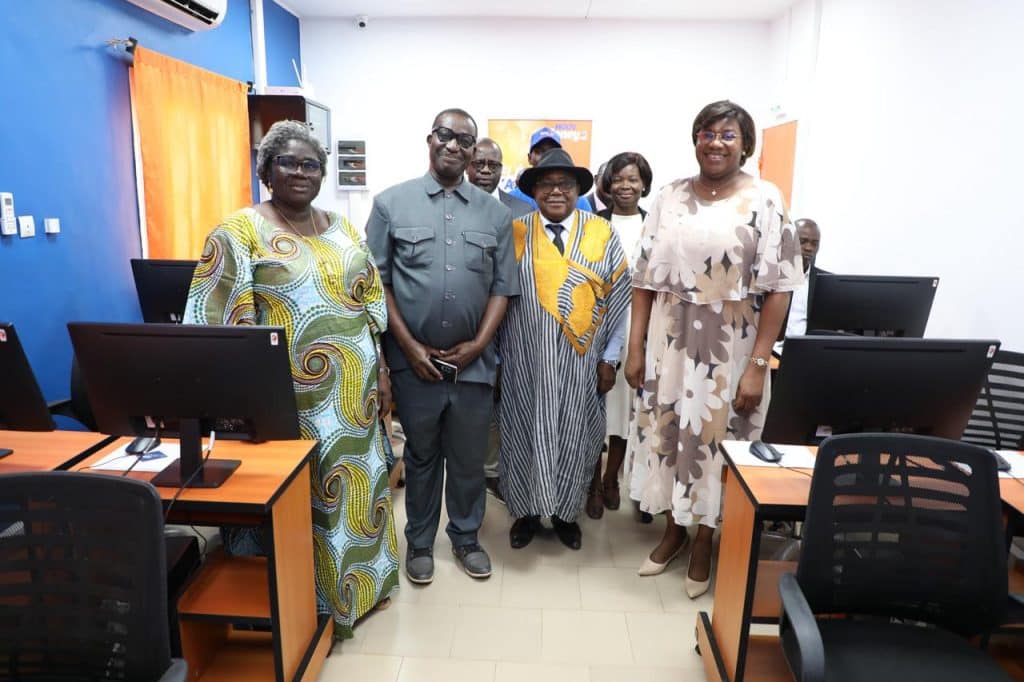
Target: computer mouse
x: 765, y: 452
x: 141, y: 445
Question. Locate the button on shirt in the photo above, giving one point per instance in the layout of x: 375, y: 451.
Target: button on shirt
x: 444, y: 253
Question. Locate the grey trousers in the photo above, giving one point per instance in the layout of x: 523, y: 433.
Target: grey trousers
x: 445, y: 428
x: 493, y: 448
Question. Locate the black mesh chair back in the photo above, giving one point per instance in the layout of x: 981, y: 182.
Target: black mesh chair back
x: 83, y: 591
x: 905, y: 526
x: 998, y: 418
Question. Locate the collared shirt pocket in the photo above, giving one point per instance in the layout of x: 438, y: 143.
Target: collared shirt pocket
x: 414, y: 246
x: 479, y: 250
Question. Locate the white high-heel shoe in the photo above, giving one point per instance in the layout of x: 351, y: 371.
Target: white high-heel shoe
x: 652, y: 567
x: 695, y: 588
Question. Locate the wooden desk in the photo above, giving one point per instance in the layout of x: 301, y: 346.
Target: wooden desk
x: 749, y: 587
x: 273, y: 595
x: 47, y: 450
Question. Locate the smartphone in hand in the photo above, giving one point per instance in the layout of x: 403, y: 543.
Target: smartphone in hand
x: 449, y: 372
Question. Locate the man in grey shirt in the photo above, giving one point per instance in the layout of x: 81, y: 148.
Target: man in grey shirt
x: 484, y: 171
x: 445, y: 254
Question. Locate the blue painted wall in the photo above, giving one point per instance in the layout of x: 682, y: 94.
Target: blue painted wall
x: 67, y: 153
x: 281, y: 34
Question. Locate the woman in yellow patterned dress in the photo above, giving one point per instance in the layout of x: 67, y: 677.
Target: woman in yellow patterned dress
x: 284, y: 262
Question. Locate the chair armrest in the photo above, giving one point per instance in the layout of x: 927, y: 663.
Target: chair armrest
x: 807, y: 659
x: 178, y: 672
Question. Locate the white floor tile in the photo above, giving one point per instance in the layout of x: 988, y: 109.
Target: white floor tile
x: 617, y: 589
x: 445, y: 670
x: 663, y: 640
x: 411, y: 630
x: 498, y: 633
x: 544, y: 672
x: 586, y: 637
x: 343, y: 667
x: 531, y: 584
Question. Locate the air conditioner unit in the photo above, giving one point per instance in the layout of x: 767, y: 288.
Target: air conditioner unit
x: 195, y: 15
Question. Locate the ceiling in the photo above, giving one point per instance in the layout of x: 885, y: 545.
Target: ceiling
x: 687, y: 10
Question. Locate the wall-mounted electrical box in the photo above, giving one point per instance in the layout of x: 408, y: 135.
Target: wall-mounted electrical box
x: 351, y: 164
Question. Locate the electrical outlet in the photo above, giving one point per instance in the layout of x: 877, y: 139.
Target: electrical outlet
x: 51, y: 225
x: 27, y: 226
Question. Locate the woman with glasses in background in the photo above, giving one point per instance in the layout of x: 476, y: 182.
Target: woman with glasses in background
x: 285, y: 262
x: 718, y: 258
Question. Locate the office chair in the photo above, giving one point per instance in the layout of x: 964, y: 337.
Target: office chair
x: 998, y: 418
x: 83, y: 587
x: 903, y: 542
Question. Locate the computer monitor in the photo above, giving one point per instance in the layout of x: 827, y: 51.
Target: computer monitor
x: 141, y: 375
x: 828, y: 385
x: 22, y: 406
x: 162, y: 286
x: 868, y: 305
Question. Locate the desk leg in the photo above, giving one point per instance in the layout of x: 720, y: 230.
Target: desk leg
x: 734, y: 586
x: 292, y: 590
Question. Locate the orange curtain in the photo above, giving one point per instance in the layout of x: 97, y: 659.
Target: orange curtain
x: 193, y: 132
x: 778, y: 156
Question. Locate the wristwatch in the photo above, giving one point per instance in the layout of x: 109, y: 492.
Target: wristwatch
x: 759, y: 362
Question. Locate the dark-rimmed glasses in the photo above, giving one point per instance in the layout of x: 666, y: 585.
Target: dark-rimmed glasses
x: 480, y: 164
x: 292, y: 164
x: 446, y: 135
x: 564, y: 186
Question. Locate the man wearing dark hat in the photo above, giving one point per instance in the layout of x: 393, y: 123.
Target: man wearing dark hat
x: 559, y: 347
x: 542, y: 141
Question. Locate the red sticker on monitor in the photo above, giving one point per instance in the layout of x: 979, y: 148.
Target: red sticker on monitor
x: 991, y: 351
x: 273, y: 338
x: 3, y: 336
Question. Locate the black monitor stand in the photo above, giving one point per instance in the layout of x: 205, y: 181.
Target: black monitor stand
x: 190, y: 471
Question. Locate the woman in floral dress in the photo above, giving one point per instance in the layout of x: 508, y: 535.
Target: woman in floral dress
x: 718, y: 258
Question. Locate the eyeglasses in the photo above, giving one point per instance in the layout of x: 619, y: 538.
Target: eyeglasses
x: 708, y: 136
x: 564, y: 186
x: 291, y: 164
x: 480, y: 164
x: 446, y: 135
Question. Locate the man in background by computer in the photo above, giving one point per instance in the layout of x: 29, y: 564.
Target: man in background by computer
x: 542, y: 141
x: 809, y: 234
x: 484, y: 171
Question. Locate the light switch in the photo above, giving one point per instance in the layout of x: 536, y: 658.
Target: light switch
x: 51, y: 225
x: 27, y: 226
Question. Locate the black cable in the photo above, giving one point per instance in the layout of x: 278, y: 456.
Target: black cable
x: 184, y: 484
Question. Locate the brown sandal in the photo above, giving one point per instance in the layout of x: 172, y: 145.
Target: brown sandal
x: 595, y: 503
x: 611, y: 496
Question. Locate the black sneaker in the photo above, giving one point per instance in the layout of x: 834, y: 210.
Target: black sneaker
x: 473, y: 559
x: 419, y: 566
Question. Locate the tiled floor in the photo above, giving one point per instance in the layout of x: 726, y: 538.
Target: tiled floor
x: 547, y: 614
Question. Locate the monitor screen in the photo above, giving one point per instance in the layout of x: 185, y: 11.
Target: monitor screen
x: 140, y: 375
x: 22, y: 406
x: 162, y: 286
x: 869, y: 305
x: 828, y: 385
